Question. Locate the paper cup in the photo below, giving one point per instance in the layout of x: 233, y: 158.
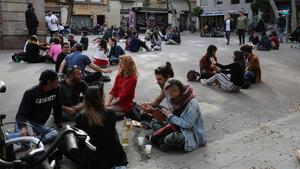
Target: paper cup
x: 148, y: 149
x: 141, y: 140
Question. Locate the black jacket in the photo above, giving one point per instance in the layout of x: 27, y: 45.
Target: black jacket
x: 109, y: 151
x: 31, y: 19
x: 231, y: 25
x: 236, y: 72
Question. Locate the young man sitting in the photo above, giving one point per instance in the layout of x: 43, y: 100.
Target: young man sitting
x: 71, y: 88
x: 81, y: 60
x: 253, y: 71
x: 36, y: 106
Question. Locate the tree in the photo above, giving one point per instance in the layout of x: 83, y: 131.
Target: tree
x: 294, y: 15
x: 70, y: 4
x: 174, y: 14
x: 265, y: 6
x: 190, y: 15
x: 197, y: 12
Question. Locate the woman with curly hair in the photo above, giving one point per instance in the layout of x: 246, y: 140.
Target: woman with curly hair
x: 121, y: 96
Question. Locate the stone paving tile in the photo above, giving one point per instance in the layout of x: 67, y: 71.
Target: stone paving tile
x: 266, y: 159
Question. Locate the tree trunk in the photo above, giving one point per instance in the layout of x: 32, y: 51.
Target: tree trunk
x: 70, y: 11
x: 190, y: 15
x: 274, y: 9
x: 294, y: 15
x: 174, y: 17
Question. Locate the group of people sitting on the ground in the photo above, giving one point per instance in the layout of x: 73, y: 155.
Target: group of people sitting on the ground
x: 97, y: 115
x: 244, y: 70
x: 265, y: 43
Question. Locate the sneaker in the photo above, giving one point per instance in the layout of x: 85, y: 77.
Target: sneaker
x: 203, y: 82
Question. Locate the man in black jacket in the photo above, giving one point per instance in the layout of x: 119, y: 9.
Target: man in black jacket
x: 36, y: 106
x: 31, y: 20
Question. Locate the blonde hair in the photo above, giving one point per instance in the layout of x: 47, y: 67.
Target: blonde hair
x: 129, y: 64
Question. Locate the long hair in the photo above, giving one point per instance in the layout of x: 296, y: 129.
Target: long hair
x: 239, y: 58
x: 130, y: 66
x: 210, y: 50
x: 93, y: 102
x: 103, y: 45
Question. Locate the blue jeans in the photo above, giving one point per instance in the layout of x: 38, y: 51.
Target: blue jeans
x: 280, y: 33
x: 250, y: 76
x: 45, y: 134
x: 113, y: 60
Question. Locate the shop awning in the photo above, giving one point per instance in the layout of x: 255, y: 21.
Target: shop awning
x: 214, y: 13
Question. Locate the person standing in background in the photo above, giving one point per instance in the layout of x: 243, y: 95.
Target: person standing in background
x: 281, y: 24
x: 228, y: 27
x: 242, y: 24
x: 51, y: 22
x: 31, y: 20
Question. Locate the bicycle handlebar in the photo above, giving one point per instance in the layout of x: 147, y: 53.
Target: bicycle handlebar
x: 53, y: 147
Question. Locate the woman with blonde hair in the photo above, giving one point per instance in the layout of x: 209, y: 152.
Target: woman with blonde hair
x: 99, y: 123
x: 122, y: 94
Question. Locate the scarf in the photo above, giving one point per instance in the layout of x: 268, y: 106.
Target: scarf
x: 183, y: 98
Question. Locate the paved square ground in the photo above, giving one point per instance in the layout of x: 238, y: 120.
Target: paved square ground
x: 257, y: 128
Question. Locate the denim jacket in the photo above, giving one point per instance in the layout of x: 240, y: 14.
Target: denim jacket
x: 191, y: 126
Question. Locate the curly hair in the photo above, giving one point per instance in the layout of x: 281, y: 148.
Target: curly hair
x: 129, y: 64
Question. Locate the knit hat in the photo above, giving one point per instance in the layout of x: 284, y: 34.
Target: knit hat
x: 48, y: 75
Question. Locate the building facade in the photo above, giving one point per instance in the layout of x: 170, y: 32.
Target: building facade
x: 215, y: 11
x: 85, y: 12
x: 14, y: 33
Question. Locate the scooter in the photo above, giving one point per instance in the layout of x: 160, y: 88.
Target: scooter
x: 38, y: 157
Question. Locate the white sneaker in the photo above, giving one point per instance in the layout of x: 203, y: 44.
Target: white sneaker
x: 203, y: 82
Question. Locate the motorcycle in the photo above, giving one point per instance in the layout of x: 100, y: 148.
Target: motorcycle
x: 37, y: 157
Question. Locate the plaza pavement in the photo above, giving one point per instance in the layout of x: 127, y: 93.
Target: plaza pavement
x: 255, y: 129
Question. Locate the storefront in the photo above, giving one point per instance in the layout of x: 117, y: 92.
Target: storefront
x: 149, y: 18
x: 214, y: 18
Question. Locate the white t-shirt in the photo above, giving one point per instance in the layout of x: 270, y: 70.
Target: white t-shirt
x: 51, y: 22
x: 228, y: 25
x: 100, y: 55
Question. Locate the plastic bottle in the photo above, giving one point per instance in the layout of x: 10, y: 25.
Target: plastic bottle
x: 125, y: 131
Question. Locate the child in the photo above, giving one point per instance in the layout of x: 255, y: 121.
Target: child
x: 84, y: 40
x: 274, y: 39
x: 100, y: 58
x: 55, y: 49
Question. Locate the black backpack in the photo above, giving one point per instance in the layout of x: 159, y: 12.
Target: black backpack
x: 193, y: 75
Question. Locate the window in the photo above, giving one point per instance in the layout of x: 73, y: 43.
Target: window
x: 79, y: 0
x: 235, y: 1
x: 219, y: 2
x: 249, y: 1
x: 97, y: 1
x: 204, y: 3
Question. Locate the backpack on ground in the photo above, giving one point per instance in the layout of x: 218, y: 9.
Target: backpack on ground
x: 246, y: 84
x: 193, y: 75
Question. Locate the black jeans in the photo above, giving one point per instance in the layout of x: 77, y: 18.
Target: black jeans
x: 52, y: 32
x: 32, y: 31
x: 241, y: 33
x: 227, y: 35
x: 92, y: 77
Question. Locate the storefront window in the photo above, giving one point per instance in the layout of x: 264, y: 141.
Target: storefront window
x: 97, y: 1
x: 204, y: 3
x: 235, y: 1
x: 219, y: 2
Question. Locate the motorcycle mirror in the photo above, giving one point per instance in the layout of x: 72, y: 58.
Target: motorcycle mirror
x: 2, y: 87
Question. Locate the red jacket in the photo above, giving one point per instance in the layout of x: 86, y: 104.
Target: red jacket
x: 124, y: 89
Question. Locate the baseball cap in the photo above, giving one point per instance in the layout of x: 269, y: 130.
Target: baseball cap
x: 48, y: 75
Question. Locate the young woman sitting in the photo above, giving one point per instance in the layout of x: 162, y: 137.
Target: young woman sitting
x: 186, y: 116
x: 122, y: 94
x: 274, y: 39
x: 232, y: 82
x: 100, y: 58
x: 206, y: 69
x: 99, y: 123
